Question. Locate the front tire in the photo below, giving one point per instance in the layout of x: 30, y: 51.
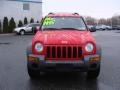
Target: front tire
x: 93, y: 74
x: 22, y: 32
x: 33, y: 73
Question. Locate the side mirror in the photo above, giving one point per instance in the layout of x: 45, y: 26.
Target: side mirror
x: 92, y: 29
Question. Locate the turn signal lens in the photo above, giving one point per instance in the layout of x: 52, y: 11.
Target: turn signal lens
x: 32, y: 58
x: 95, y: 59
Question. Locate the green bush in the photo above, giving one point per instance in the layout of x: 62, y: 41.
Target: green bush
x: 12, y: 25
x: 25, y: 21
x: 32, y: 20
x: 0, y: 27
x: 5, y: 25
x: 20, y: 24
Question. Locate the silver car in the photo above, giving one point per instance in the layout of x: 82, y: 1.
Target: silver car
x: 29, y: 28
x: 103, y: 27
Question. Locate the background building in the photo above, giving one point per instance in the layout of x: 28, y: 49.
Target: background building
x: 19, y: 9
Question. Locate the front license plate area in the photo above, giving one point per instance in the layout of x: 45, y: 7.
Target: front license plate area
x: 64, y: 66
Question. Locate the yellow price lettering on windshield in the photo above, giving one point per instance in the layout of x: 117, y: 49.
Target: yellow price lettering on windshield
x: 49, y: 21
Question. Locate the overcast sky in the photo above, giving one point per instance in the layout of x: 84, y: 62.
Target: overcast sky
x: 94, y: 8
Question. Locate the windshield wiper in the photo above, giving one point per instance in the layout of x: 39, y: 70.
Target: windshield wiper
x: 63, y: 29
x: 72, y: 29
x: 50, y: 28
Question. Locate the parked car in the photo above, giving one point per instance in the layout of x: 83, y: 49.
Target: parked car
x: 103, y: 27
x: 63, y: 44
x: 108, y: 27
x: 116, y: 27
x: 29, y: 28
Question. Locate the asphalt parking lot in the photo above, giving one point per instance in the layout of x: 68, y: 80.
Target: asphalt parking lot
x: 13, y: 71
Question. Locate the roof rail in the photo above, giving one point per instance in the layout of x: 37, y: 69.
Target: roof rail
x: 50, y: 13
x: 75, y: 13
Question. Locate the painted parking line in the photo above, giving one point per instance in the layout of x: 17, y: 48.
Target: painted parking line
x: 7, y: 34
x: 116, y: 35
x: 106, y: 34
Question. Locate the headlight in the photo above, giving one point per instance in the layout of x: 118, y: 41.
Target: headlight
x: 89, y: 47
x: 38, y: 47
x: 15, y: 29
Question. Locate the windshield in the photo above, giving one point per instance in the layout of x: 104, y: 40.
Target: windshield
x: 67, y: 23
x: 25, y: 25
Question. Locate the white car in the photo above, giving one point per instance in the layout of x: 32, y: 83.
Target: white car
x: 29, y: 28
x: 103, y: 27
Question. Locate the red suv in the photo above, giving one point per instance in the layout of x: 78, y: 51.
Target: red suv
x: 63, y: 43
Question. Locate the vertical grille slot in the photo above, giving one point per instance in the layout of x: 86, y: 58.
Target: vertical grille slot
x: 64, y: 52
x: 58, y: 52
x: 79, y: 52
x: 53, y: 52
x: 48, y: 52
x: 69, y: 52
x: 74, y: 52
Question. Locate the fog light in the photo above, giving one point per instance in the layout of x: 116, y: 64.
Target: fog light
x: 32, y: 58
x: 95, y: 59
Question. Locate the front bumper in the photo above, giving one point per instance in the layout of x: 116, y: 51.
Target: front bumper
x: 38, y: 62
x: 16, y: 32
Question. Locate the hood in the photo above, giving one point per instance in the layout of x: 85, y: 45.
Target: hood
x: 20, y: 28
x: 65, y: 37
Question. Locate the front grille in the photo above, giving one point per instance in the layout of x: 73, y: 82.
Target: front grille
x: 63, y: 52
